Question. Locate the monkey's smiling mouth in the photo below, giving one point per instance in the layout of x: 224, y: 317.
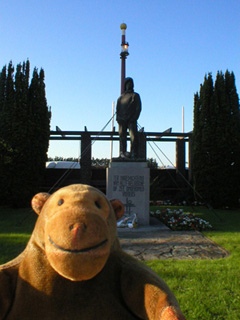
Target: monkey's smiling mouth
x: 77, y: 251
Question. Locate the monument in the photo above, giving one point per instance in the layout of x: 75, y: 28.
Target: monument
x: 128, y: 175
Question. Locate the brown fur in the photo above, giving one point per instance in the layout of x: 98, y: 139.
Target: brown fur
x: 73, y: 266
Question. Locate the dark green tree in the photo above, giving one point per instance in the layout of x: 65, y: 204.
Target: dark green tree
x: 9, y: 104
x: 24, y: 133
x: 40, y: 117
x: 216, y: 137
x: 3, y: 82
x: 231, y: 156
x: 7, y: 101
x: 202, y: 130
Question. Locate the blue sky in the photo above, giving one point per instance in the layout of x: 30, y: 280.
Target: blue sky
x: 172, y: 45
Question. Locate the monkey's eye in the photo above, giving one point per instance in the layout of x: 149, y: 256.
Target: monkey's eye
x: 60, y: 202
x: 97, y: 204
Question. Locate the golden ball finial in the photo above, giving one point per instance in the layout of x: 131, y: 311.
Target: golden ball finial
x: 123, y: 26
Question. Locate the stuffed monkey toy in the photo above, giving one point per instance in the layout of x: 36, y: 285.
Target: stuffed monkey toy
x: 73, y: 266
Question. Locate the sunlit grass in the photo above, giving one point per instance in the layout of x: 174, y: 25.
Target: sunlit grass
x: 208, y: 289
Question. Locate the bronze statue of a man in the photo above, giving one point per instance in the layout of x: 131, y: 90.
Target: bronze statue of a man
x: 128, y: 111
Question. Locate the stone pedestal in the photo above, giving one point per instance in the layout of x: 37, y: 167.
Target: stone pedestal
x: 129, y: 182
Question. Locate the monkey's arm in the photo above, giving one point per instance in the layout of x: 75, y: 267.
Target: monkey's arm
x: 146, y: 294
x: 6, y: 293
x: 8, y: 281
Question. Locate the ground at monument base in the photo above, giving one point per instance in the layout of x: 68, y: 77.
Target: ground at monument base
x: 159, y: 242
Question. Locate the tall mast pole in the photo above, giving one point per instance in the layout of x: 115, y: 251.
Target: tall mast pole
x: 183, y: 119
x: 123, y: 56
x: 113, y: 107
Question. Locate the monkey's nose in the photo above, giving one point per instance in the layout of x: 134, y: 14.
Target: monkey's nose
x: 78, y: 228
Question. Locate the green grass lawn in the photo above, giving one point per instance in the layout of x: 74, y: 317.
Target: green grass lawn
x: 208, y: 289
x: 205, y: 289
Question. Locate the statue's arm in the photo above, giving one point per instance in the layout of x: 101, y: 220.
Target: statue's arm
x: 148, y: 296
x: 138, y: 106
x: 117, y: 109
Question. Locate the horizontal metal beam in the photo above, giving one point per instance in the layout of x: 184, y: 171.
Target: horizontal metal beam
x: 114, y: 135
x: 116, y: 139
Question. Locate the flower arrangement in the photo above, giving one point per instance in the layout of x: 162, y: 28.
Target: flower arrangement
x: 178, y: 220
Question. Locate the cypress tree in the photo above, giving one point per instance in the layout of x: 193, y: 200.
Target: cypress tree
x: 233, y: 138
x: 9, y: 106
x: 201, y: 142
x: 8, y: 152
x: 3, y: 80
x: 216, y: 136
x: 22, y: 141
x: 4, y: 151
x: 45, y: 117
x: 197, y: 141
x: 220, y: 149
x: 40, y: 124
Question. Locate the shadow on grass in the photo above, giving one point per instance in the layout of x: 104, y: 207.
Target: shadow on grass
x: 12, y: 245
x: 17, y: 220
x: 16, y: 226
x: 221, y: 220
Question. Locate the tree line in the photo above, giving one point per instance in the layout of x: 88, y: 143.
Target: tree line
x: 25, y: 129
x: 24, y: 132
x: 216, y: 141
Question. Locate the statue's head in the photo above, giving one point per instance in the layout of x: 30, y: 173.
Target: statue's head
x: 128, y: 85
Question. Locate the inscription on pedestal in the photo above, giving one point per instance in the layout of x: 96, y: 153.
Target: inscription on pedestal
x: 130, y: 184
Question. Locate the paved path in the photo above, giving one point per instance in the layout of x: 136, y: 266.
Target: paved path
x: 158, y: 242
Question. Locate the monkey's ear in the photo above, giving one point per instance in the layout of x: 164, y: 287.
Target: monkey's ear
x: 38, y: 201
x: 118, y: 208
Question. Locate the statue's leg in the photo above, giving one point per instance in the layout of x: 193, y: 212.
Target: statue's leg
x: 123, y: 137
x: 134, y: 139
